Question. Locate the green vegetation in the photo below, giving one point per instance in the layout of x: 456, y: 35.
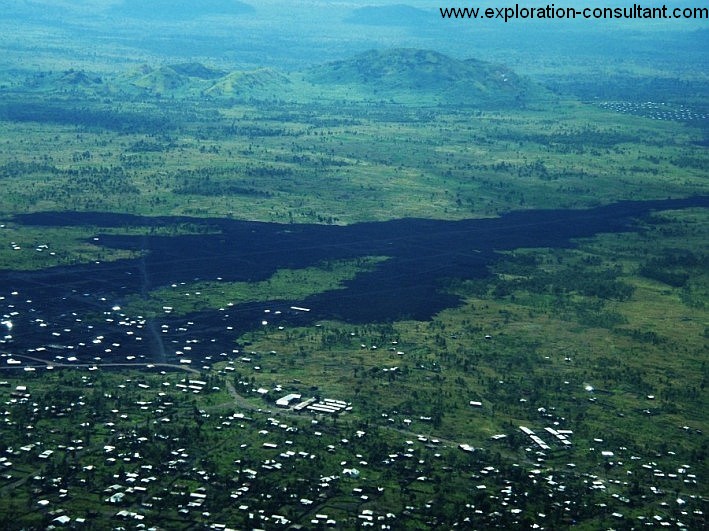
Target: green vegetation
x: 425, y: 76
x: 286, y: 284
x: 34, y: 248
x: 293, y: 162
x: 31, y: 248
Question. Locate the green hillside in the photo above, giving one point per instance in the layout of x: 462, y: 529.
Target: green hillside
x: 256, y: 83
x: 162, y: 80
x: 425, y: 73
x: 175, y: 80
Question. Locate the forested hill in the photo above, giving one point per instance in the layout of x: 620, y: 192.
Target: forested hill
x: 423, y: 72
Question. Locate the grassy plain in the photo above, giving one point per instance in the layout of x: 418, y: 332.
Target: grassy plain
x: 341, y: 163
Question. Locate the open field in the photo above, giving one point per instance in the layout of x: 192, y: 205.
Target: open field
x: 291, y: 163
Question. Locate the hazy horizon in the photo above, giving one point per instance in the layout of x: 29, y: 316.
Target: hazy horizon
x: 103, y: 33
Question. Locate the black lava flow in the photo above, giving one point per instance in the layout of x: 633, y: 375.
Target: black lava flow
x: 72, y: 314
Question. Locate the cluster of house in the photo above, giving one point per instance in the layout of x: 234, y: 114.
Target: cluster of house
x: 38, y: 248
x: 560, y: 435
x: 193, y: 386
x: 654, y: 110
x: 138, y: 486
x: 325, y: 405
x: 69, y: 338
x: 135, y: 490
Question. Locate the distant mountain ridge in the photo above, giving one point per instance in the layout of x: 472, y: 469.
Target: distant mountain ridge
x: 404, y: 75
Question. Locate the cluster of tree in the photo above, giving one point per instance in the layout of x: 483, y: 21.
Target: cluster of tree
x: 148, y: 146
x: 251, y: 131
x: 672, y: 267
x: 61, y: 113
x: 622, y: 86
x: 207, y: 187
x: 16, y: 168
x: 228, y: 181
x: 587, y: 137
x: 603, y: 284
